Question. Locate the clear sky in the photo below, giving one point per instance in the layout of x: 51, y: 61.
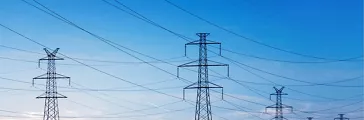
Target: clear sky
x: 325, y: 28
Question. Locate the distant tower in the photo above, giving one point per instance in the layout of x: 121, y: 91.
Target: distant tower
x: 309, y: 118
x: 51, y: 111
x: 279, y: 106
x: 203, y: 85
x: 341, y: 117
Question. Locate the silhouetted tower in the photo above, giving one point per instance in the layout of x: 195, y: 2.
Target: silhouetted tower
x: 341, y: 117
x: 309, y: 118
x: 203, y: 105
x: 51, y: 111
x: 279, y: 106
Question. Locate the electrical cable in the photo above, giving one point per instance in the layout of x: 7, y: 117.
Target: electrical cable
x: 92, y: 60
x: 249, y: 39
x: 184, y: 37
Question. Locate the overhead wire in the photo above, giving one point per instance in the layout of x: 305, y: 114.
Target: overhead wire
x: 120, y: 98
x: 328, y: 109
x: 250, y: 39
x: 72, y: 89
x: 113, y: 75
x: 91, y: 60
x: 107, y: 41
x: 303, y: 93
x: 103, y: 71
x: 187, y: 40
x: 327, y: 83
x: 239, y: 107
x: 236, y: 63
x: 119, y: 113
x: 263, y: 78
x: 293, y: 79
x: 86, y: 64
x: 91, y: 117
x: 353, y: 59
x: 184, y: 37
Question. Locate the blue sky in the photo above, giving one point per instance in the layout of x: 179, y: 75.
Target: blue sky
x: 326, y: 28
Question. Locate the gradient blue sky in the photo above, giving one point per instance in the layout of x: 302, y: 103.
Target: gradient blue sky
x: 325, y: 28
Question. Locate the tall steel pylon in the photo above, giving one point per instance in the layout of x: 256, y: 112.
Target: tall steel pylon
x: 341, y: 117
x: 51, y: 111
x: 279, y: 106
x: 203, y: 85
x: 309, y: 118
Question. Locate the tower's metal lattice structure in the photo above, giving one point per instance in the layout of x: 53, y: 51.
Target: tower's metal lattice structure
x: 341, y: 117
x: 51, y: 111
x: 203, y: 85
x: 279, y: 106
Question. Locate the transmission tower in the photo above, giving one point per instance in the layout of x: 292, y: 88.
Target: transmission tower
x: 203, y: 85
x: 309, y: 118
x: 279, y: 106
x: 341, y: 117
x: 51, y: 111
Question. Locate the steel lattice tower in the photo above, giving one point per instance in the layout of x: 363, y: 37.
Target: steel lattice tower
x: 51, y: 111
x: 203, y: 105
x: 309, y: 118
x: 279, y: 106
x: 341, y: 117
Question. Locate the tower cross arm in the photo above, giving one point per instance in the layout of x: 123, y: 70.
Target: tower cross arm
x: 341, y: 119
x: 195, y: 64
x: 270, y: 96
x: 58, y: 76
x: 196, y: 42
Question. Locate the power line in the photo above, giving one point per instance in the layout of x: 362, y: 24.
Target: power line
x: 288, y: 78
x: 108, y: 42
x: 239, y: 107
x: 92, y: 60
x: 128, y: 108
x: 104, y: 40
x: 141, y: 17
x: 91, y: 66
x: 108, y: 89
x: 146, y: 108
x: 272, y: 83
x: 186, y: 38
x: 259, y: 76
x: 113, y: 103
x: 326, y: 83
x: 233, y: 97
x: 255, y: 90
x: 131, y: 111
x: 108, y: 73
x: 237, y: 63
x: 276, y: 84
x: 353, y: 59
x: 149, y: 21
x: 72, y: 89
x: 249, y: 39
x: 94, y: 117
x: 328, y: 109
